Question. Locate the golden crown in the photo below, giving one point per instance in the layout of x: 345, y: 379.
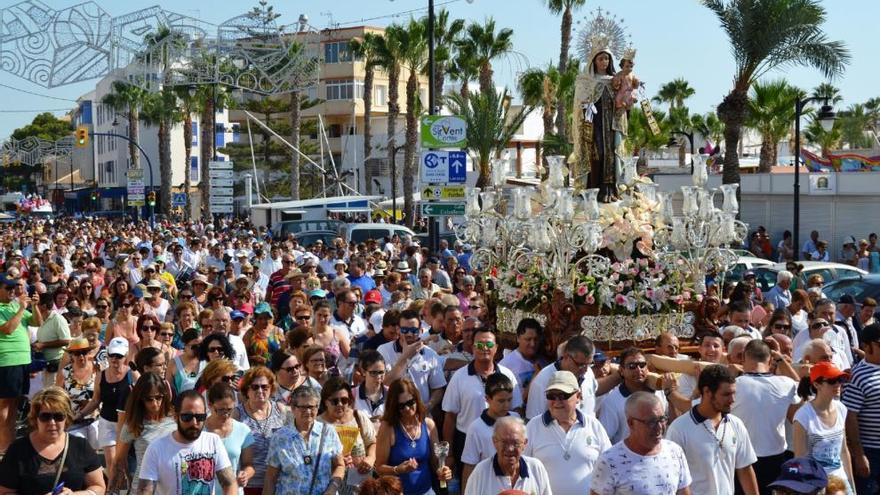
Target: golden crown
x: 629, y: 54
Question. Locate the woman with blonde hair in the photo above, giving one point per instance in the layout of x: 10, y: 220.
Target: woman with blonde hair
x: 218, y: 370
x: 38, y: 462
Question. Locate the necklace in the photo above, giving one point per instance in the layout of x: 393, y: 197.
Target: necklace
x: 413, y: 437
x: 262, y: 424
x: 719, y: 442
x: 566, y: 440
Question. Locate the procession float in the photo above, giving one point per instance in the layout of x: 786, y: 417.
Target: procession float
x: 596, y: 249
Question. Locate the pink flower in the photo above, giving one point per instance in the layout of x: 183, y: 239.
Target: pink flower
x: 620, y: 300
x: 582, y: 290
x: 686, y: 295
x: 590, y: 299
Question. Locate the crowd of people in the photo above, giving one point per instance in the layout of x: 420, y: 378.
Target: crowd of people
x: 196, y: 359
x: 864, y: 253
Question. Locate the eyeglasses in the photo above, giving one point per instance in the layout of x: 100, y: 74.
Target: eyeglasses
x: 557, y: 396
x: 412, y: 330
x: 260, y: 386
x: 653, y: 422
x: 639, y: 364
x: 408, y: 404
x: 186, y: 296
x: 154, y: 398
x: 316, y: 362
x: 101, y: 306
x: 781, y: 326
x: 228, y: 378
x: 303, y: 317
x: 217, y: 349
x: 376, y: 372
x: 293, y: 369
x: 126, y: 305
x: 223, y: 411
x: 339, y: 401
x: 148, y: 328
x: 821, y: 324
x: 511, y: 445
x: 188, y: 417
x: 484, y: 346
x: 116, y: 356
x: 57, y: 417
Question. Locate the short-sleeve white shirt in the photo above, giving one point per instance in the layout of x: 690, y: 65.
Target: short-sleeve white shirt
x: 520, y: 366
x: 713, y: 454
x: 537, y: 403
x: 613, y: 416
x: 478, y: 443
x: 487, y: 478
x: 425, y: 369
x: 466, y: 394
x: 569, y: 457
x: 620, y: 471
x: 179, y: 468
x: 762, y: 402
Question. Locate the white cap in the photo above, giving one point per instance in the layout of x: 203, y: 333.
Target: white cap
x: 119, y: 345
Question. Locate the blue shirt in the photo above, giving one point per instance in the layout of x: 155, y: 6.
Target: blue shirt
x: 779, y: 297
x: 365, y: 282
x: 288, y: 451
x: 239, y: 439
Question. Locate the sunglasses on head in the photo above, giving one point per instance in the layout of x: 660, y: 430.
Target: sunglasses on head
x: 188, y: 417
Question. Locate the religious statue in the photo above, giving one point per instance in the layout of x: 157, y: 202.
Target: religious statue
x: 624, y: 83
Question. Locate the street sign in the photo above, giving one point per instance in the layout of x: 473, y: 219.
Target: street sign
x: 442, y: 209
x: 221, y: 174
x: 135, y: 173
x: 136, y: 196
x: 443, y: 167
x: 219, y: 165
x: 443, y: 131
x: 139, y: 202
x: 221, y: 182
x: 135, y: 189
x: 223, y: 209
x: 221, y: 200
x: 438, y: 193
x: 221, y: 191
x: 178, y: 199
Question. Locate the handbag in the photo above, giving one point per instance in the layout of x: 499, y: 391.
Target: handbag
x: 317, y: 460
x: 63, y: 460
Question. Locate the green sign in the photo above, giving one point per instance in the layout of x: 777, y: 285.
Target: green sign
x: 443, y: 131
x: 442, y: 209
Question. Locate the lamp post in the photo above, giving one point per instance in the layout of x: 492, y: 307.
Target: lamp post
x: 146, y: 157
x: 826, y: 118
x: 394, y: 181
x: 690, y: 138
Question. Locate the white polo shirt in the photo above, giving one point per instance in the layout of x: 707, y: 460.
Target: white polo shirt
x: 834, y: 341
x: 355, y: 328
x: 520, y: 366
x: 762, y: 401
x: 620, y: 471
x: 713, y: 454
x: 374, y: 410
x: 613, y: 416
x: 487, y: 478
x: 478, y: 444
x: 537, y: 403
x: 569, y: 457
x: 466, y: 394
x: 425, y: 369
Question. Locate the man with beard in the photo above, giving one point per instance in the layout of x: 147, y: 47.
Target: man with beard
x: 186, y: 461
x: 716, y: 443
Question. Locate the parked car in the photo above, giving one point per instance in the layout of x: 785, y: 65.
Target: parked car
x: 448, y: 236
x: 325, y: 236
x: 744, y: 264
x: 360, y: 232
x: 765, y: 277
x: 281, y: 230
x: 859, y: 288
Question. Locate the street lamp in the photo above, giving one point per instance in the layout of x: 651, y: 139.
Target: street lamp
x: 690, y: 138
x: 826, y: 118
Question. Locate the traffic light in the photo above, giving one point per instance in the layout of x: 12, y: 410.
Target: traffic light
x: 82, y: 136
x: 151, y: 198
x: 96, y: 195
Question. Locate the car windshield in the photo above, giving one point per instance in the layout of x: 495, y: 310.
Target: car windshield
x: 859, y: 289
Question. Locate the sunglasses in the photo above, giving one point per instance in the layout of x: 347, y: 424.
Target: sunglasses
x: 154, y: 398
x: 148, y: 328
x: 194, y: 348
x: 166, y: 334
x: 376, y: 372
x: 45, y: 417
x: 101, y: 306
x: 637, y: 365
x: 411, y: 330
x: 188, y: 417
x: 408, y: 404
x: 556, y: 396
x: 186, y: 296
x: 293, y: 369
x: 781, y: 326
x: 339, y: 401
x: 216, y: 349
x: 228, y: 378
x: 832, y: 381
x: 260, y: 386
x: 80, y: 353
x: 304, y: 318
x: 126, y: 305
x: 819, y: 325
x: 484, y: 346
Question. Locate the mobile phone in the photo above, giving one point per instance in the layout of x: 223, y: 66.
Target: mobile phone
x: 58, y: 488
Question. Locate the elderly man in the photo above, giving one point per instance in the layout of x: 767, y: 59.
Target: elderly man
x: 780, y: 295
x: 345, y: 318
x: 509, y: 469
x: 564, y: 439
x: 644, y: 462
x: 716, y: 443
x: 222, y: 321
x: 821, y: 327
x: 425, y: 288
x: 845, y: 319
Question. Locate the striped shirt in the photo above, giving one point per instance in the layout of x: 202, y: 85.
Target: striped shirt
x: 862, y: 396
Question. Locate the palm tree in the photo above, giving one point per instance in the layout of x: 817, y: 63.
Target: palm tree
x: 564, y: 7
x: 640, y: 136
x: 854, y: 121
x: 764, y: 35
x: 188, y: 107
x: 828, y: 90
x: 872, y: 107
x: 771, y: 110
x: 541, y: 87
x: 414, y: 47
x: 162, y: 110
x: 675, y: 93
x: 486, y: 45
x: 490, y: 125
x: 368, y: 51
x: 446, y: 34
x: 127, y: 99
x: 827, y: 140
x: 391, y: 57
x: 464, y: 68
x: 708, y: 126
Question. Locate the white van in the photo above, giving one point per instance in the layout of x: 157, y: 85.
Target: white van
x: 360, y: 232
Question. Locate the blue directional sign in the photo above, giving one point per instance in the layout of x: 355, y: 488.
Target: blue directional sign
x: 443, y: 167
x: 178, y: 199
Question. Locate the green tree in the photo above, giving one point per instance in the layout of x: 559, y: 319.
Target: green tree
x: 826, y: 140
x: 161, y: 110
x: 391, y: 57
x: 368, y: 51
x: 771, y: 111
x: 675, y: 93
x: 464, y: 68
x: 828, y: 90
x: 490, y: 125
x: 872, y: 108
x: 640, y: 136
x: 414, y: 47
x: 188, y: 107
x: 540, y: 87
x: 446, y: 34
x: 708, y: 126
x: 854, y: 122
x: 127, y: 99
x: 486, y: 45
x: 764, y: 35
x: 45, y: 126
x: 564, y: 7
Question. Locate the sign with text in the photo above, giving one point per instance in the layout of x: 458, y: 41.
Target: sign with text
x: 221, y: 209
x: 438, y: 193
x: 443, y: 131
x: 443, y: 167
x: 442, y: 209
x: 219, y: 165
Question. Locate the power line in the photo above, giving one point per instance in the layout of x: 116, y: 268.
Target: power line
x: 395, y: 14
x: 42, y: 110
x: 43, y: 95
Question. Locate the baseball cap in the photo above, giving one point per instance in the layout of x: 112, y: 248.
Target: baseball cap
x: 749, y: 274
x: 826, y: 370
x: 846, y: 299
x: 263, y: 308
x: 237, y: 315
x: 599, y: 357
x: 564, y: 381
x: 8, y: 280
x: 119, y: 345
x: 801, y: 474
x: 373, y: 296
x: 318, y: 293
x: 870, y: 333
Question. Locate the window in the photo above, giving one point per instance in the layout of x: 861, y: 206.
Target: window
x: 380, y: 95
x: 344, y: 89
x: 194, y: 167
x: 334, y: 131
x: 195, y: 131
x: 337, y: 52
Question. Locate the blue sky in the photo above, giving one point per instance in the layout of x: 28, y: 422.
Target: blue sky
x: 674, y: 38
